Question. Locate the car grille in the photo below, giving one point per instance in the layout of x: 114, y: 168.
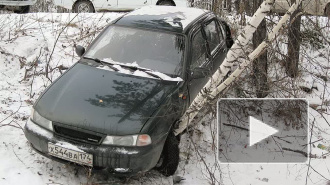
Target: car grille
x: 78, y: 135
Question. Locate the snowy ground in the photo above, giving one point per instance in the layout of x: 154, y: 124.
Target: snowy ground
x: 28, y: 42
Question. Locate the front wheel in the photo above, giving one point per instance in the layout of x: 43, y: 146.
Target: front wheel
x: 169, y: 159
x: 83, y: 6
x: 22, y: 9
x: 166, y: 3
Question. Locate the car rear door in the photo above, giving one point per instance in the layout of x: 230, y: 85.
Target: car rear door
x: 132, y: 4
x: 105, y: 4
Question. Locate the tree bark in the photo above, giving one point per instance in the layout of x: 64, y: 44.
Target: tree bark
x: 248, y: 8
x: 229, y: 2
x: 294, y: 40
x: 260, y: 64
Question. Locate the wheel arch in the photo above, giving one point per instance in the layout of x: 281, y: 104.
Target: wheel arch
x: 165, y: 0
x: 327, y: 9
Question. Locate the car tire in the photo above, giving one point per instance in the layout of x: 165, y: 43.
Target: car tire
x: 166, y: 3
x: 83, y: 6
x: 169, y: 160
x: 22, y: 9
x: 327, y: 10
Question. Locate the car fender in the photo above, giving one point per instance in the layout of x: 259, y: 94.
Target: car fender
x: 68, y: 4
x: 164, y: 117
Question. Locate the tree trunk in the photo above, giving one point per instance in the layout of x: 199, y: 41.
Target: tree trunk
x: 236, y: 6
x: 229, y: 5
x: 294, y: 40
x: 260, y: 64
x: 248, y: 8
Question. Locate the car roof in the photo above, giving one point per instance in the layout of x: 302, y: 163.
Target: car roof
x: 166, y: 18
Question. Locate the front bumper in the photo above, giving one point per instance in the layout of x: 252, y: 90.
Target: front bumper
x: 17, y: 3
x: 134, y: 159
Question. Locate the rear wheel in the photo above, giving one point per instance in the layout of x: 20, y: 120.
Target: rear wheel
x: 169, y: 160
x: 83, y: 6
x: 166, y: 3
x: 22, y: 9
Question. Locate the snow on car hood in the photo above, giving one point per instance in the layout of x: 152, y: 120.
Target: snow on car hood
x: 137, y: 72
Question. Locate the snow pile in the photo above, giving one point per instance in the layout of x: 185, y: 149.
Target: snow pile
x: 69, y: 146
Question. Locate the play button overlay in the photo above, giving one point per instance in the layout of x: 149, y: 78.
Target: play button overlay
x: 259, y: 130
x: 263, y: 130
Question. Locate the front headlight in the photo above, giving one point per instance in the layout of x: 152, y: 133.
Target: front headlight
x: 133, y: 140
x: 41, y: 121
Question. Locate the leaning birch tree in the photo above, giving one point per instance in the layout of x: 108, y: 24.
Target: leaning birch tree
x: 216, y: 85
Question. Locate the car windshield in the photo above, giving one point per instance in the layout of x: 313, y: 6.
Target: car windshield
x: 158, y: 51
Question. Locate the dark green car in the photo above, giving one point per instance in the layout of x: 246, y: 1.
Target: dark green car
x: 117, y: 106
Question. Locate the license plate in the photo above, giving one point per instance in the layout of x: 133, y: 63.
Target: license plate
x: 70, y: 155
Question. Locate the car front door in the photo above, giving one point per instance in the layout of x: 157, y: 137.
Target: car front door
x: 132, y: 4
x: 207, y: 50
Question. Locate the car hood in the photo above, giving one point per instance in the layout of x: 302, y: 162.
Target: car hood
x: 103, y: 101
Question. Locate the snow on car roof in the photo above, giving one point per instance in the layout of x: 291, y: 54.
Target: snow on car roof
x: 168, y: 18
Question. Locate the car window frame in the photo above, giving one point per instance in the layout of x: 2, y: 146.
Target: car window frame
x: 207, y: 56
x: 219, y: 29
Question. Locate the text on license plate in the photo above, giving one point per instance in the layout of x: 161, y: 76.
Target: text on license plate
x: 70, y: 155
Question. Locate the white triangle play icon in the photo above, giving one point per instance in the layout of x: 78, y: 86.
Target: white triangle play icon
x: 259, y: 130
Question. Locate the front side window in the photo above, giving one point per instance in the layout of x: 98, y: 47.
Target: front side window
x: 212, y: 35
x: 158, y: 51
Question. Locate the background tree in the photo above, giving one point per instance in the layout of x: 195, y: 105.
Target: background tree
x: 294, y: 40
x: 260, y: 64
x: 229, y: 5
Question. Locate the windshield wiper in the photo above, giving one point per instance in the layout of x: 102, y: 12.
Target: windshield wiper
x: 103, y: 63
x: 148, y: 71
x: 133, y: 68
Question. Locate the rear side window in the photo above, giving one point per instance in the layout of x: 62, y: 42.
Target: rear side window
x: 199, y: 51
x: 212, y: 35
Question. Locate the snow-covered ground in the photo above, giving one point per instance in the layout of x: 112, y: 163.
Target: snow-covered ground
x: 29, y: 42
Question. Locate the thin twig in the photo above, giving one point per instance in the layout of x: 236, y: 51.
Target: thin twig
x: 309, y: 162
x: 13, y: 112
x: 51, y: 54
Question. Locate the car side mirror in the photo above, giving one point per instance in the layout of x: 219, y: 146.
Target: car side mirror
x: 200, y: 72
x: 80, y: 50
